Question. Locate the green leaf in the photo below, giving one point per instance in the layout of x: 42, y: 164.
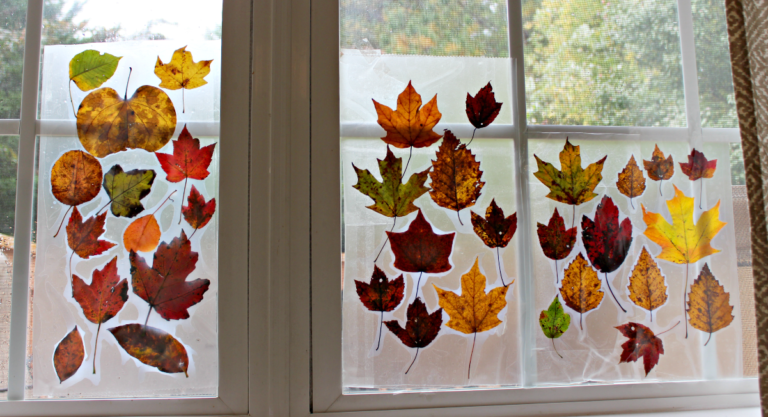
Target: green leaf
x: 90, y: 69
x: 554, y: 321
x: 391, y: 197
x: 126, y: 189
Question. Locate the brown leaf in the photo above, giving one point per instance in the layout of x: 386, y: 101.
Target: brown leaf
x: 153, y: 347
x: 421, y: 328
x: 708, y: 304
x: 483, y: 108
x: 198, y: 212
x: 456, y: 175
x: 698, y: 166
x: 658, y: 168
x: 581, y: 287
x: 642, y: 343
x: 419, y: 249
x: 76, y: 178
x: 631, y: 181
x: 411, y: 124
x: 646, y: 284
x: 69, y: 355
x: 494, y: 230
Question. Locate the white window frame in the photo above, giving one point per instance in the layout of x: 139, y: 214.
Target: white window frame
x: 236, y: 395
x: 312, y: 298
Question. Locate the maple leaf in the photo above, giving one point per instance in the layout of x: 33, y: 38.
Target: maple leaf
x: 108, y: 123
x: 456, y: 176
x: 708, y: 304
x: 631, y: 181
x: 153, y: 347
x: 473, y: 311
x: 164, y: 286
x: 483, y: 108
x: 495, y: 230
x: 699, y: 167
x: 182, y: 72
x: 126, y: 189
x: 556, y: 241
x: 143, y: 234
x: 69, y: 355
x: 410, y: 125
x: 642, y: 343
x: 391, y: 197
x: 83, y: 236
x: 75, y: 179
x: 102, y: 299
x: 419, y: 249
x: 646, y: 284
x: 197, y: 212
x: 554, y: 322
x: 581, y: 287
x: 381, y: 294
x: 658, y: 168
x: 572, y: 185
x: 421, y: 328
x: 606, y: 241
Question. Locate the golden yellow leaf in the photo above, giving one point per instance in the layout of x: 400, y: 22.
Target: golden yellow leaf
x: 708, y: 304
x: 683, y: 241
x: 182, y: 71
x: 646, y: 284
x: 631, y: 181
x: 107, y: 123
x: 581, y: 287
x: 410, y: 124
x: 76, y: 178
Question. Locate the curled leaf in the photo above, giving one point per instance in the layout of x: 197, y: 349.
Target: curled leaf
x: 69, y: 355
x: 410, y: 124
x: 153, y: 347
x: 126, y: 189
x: 709, y: 305
x: 75, y: 178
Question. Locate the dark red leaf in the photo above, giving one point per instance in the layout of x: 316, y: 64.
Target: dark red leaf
x: 152, y: 347
x: 188, y: 159
x: 381, y: 294
x: 164, y: 286
x: 698, y: 166
x: 419, y: 249
x: 69, y: 355
x: 421, y: 328
x: 495, y: 230
x: 483, y: 108
x: 197, y: 212
x: 556, y: 241
x: 606, y: 242
x: 642, y: 343
x: 83, y: 237
x: 104, y: 297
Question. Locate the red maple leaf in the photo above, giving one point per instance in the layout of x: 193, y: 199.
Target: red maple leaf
x: 188, y: 159
x: 164, y: 286
x: 556, y: 241
x: 197, y: 212
x: 494, y: 230
x: 381, y: 294
x: 419, y: 249
x: 83, y: 237
x: 642, y: 343
x: 483, y: 108
x: 607, y: 242
x: 698, y: 166
x: 421, y: 328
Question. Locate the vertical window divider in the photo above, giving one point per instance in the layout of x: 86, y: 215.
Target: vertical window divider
x: 24, y: 189
x: 526, y: 282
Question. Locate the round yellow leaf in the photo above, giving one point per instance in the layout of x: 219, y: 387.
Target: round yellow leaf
x: 76, y: 178
x: 143, y: 235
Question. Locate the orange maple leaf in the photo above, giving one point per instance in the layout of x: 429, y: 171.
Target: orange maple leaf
x: 410, y: 125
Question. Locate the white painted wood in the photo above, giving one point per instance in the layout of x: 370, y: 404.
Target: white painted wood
x: 9, y: 127
x: 50, y: 127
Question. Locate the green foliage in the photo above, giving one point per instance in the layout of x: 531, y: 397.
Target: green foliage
x: 8, y: 158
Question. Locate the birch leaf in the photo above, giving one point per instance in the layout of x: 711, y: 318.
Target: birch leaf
x: 456, y: 175
x: 709, y: 306
x: 581, y: 289
x: 631, y: 181
x: 647, y: 288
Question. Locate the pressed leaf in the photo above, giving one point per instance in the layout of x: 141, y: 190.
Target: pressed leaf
x: 83, y: 237
x: 182, y: 71
x: 658, y: 168
x: 142, y: 235
x: 410, y: 124
x: 494, y: 230
x: 708, y: 304
x: 556, y: 241
x: 483, y: 108
x: 90, y: 69
x: 69, y: 355
x: 571, y: 184
x: 456, y: 175
x: 631, y: 181
x: 188, y: 159
x: 606, y: 240
x: 198, y: 212
x: 380, y: 294
x: 581, y: 287
x: 126, y: 189
x: 642, y: 343
x: 391, y: 197
x: 698, y: 166
x: 153, y: 347
x: 683, y: 241
x: 554, y: 321
x: 75, y: 178
x: 647, y: 288
x: 419, y: 249
x: 107, y: 123
x: 165, y: 286
x: 421, y: 328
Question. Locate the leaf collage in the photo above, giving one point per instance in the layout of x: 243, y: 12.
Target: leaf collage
x: 109, y: 123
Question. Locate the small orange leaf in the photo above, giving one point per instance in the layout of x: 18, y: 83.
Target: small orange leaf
x: 581, y: 288
x: 410, y: 124
x: 143, y: 235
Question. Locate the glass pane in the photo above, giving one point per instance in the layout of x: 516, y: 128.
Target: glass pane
x: 8, y: 159
x: 126, y: 203
x: 713, y: 63
x: 598, y: 63
x: 13, y: 20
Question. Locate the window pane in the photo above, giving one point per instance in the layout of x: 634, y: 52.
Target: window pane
x: 137, y: 203
x: 8, y: 159
x: 590, y: 62
x: 13, y: 19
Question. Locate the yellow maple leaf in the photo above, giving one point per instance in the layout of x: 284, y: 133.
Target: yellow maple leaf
x: 581, y: 287
x: 572, y: 184
x: 182, y: 72
x: 646, y: 284
x: 473, y: 311
x: 410, y: 124
x: 683, y: 241
x: 709, y: 306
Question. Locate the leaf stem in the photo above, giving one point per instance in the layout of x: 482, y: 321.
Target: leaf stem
x: 163, y: 203
x: 148, y: 313
x: 381, y: 323
x: 708, y: 339
x: 410, y: 154
x: 105, y: 206
x: 71, y: 278
x: 96, y: 346
x: 414, y: 360
x: 661, y: 184
x: 573, y: 218
x: 701, y: 193
x: 182, y: 197
x: 469, y: 368
x: 473, y: 137
x: 183, y: 102
x: 193, y: 233
x: 614, y: 295
x: 632, y: 203
x: 70, y: 99
x: 62, y: 221
x: 678, y: 322
x: 685, y: 295
x: 581, y: 321
x: 417, y: 286
x: 130, y: 71
x: 557, y: 272
x: 386, y: 240
x: 555, y: 347
x: 498, y: 257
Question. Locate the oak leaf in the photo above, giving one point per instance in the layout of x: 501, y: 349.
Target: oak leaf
x: 419, y: 249
x: 126, y: 189
x: 631, y: 181
x: 69, y: 355
x: 421, y: 328
x: 495, y: 230
x: 658, y: 168
x: 556, y: 241
x: 473, y: 311
x: 90, y: 69
x: 83, y: 236
x: 698, y: 166
x: 76, y: 178
x: 571, y: 184
x: 410, y: 125
x: 107, y: 123
x: 647, y: 288
x: 182, y: 72
x: 391, y: 197
x: 708, y: 304
x: 483, y: 108
x: 102, y: 299
x: 456, y: 176
x: 198, y: 212
x: 380, y: 294
x: 554, y: 322
x: 153, y: 347
x: 164, y: 286
x: 642, y: 343
x: 581, y: 287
